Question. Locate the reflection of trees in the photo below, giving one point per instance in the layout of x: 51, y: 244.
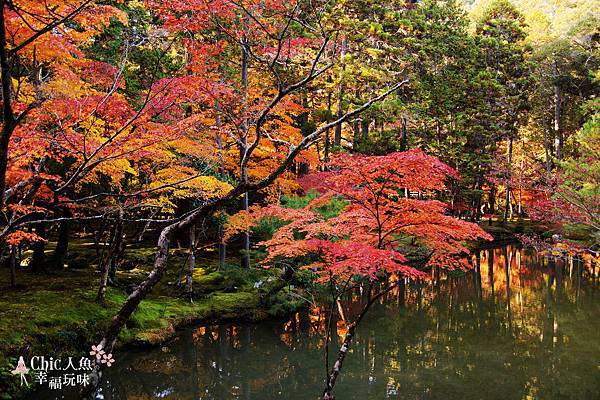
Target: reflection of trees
x: 515, y: 326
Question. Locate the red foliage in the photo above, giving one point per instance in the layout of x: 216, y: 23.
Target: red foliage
x: 366, y: 237
x: 19, y: 238
x: 557, y: 201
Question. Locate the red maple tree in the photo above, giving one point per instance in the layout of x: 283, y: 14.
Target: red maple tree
x: 390, y: 198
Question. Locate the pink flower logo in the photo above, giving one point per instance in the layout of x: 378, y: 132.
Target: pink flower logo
x: 97, y: 351
x: 108, y: 359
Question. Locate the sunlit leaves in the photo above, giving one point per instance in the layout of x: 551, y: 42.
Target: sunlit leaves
x: 365, y: 237
x: 172, y: 184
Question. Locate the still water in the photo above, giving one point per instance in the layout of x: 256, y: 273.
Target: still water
x: 524, y: 327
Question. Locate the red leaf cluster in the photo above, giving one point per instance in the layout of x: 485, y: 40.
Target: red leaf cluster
x: 368, y: 235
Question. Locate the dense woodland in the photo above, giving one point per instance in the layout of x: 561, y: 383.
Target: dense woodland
x: 353, y: 143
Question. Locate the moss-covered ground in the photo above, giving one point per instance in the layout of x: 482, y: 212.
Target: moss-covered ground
x: 54, y: 312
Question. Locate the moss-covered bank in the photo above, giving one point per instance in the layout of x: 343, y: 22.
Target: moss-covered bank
x: 55, y: 313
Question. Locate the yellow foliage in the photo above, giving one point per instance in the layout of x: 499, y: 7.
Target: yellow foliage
x: 115, y: 170
x: 184, y: 182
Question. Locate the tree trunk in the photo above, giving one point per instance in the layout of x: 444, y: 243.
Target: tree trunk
x: 13, y: 266
x: 105, y: 266
x: 402, y: 292
x: 480, y: 193
x: 492, y: 201
x: 192, y: 264
x: 326, y: 148
x: 245, y: 261
x: 404, y: 140
x: 547, y: 148
x: 101, y: 295
x: 245, y: 238
x: 6, y: 133
x: 222, y: 246
x: 119, y: 250
x: 8, y: 117
x: 476, y: 202
x: 109, y: 263
x: 508, y: 176
x: 520, y: 205
x: 220, y: 228
x: 62, y: 244
x: 328, y: 120
x: 337, y: 137
x: 38, y: 259
x: 365, y: 130
x: 558, y: 138
x: 99, y: 234
x: 356, y: 138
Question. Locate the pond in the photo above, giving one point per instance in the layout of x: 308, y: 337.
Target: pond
x: 518, y: 327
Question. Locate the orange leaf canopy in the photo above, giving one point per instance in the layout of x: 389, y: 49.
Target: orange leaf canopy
x: 366, y: 236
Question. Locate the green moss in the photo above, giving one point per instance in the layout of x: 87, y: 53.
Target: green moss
x: 56, y: 313
x: 228, y: 280
x: 506, y: 230
x: 285, y: 303
x: 577, y: 232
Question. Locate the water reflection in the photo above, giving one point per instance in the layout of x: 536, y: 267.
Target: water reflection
x: 517, y: 326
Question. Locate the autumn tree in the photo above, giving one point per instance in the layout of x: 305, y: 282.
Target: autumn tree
x: 39, y: 55
x: 364, y: 240
x: 33, y: 37
x: 565, y: 65
x: 370, y: 51
x: 290, y: 45
x: 572, y: 194
x: 87, y: 149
